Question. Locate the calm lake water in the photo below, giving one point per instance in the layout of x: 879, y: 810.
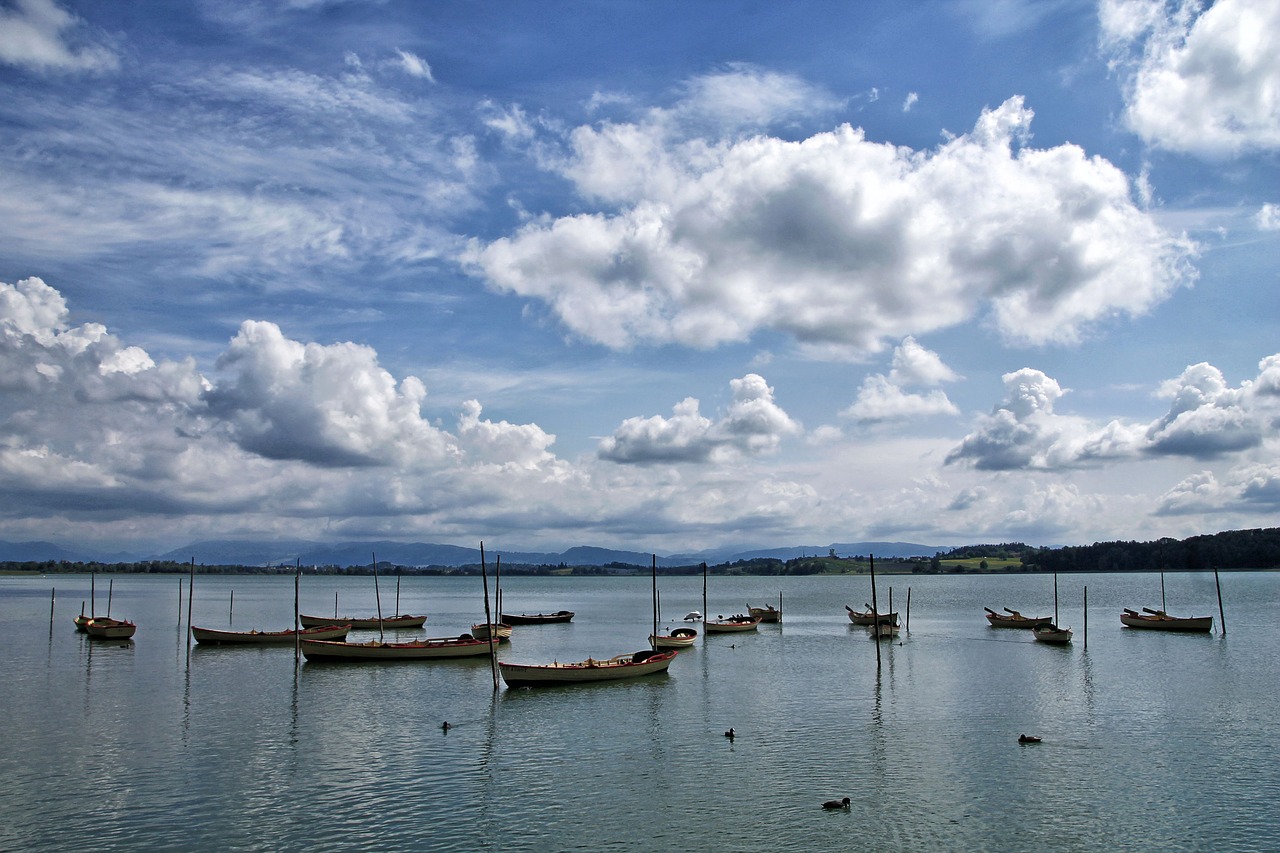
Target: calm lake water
x: 1150, y: 740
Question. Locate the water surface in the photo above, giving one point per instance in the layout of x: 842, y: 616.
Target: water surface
x: 1153, y: 740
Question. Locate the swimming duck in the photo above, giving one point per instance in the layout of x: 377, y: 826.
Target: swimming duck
x: 444, y: 727
x: 729, y: 734
x: 836, y: 804
x: 1028, y: 739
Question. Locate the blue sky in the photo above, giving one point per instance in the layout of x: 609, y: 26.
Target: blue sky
x: 651, y: 275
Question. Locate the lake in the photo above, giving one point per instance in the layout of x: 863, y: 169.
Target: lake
x: 1150, y: 739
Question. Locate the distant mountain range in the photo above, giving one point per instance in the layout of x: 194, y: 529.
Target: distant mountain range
x: 288, y: 552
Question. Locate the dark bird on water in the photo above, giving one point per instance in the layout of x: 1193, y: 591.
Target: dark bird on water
x: 444, y: 727
x: 836, y: 804
x: 729, y: 734
x: 1028, y: 739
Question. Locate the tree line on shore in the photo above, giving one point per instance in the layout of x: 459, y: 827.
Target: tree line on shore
x: 1257, y: 549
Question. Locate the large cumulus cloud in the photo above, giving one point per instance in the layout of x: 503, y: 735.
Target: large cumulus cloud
x: 1201, y: 78
x: 1207, y: 419
x: 752, y: 424
x: 836, y: 240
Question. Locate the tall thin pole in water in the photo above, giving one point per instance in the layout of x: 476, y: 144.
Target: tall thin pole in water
x: 180, y: 581
x: 704, y: 598
x: 1221, y: 615
x: 111, y: 585
x: 231, y: 609
x: 1162, y: 605
x: 397, y: 613
x: 53, y: 596
x: 191, y: 585
x: 653, y: 564
x: 493, y: 657
x: 377, y: 597
x: 1086, y: 617
x: 908, y: 622
x: 875, y: 611
x: 297, y: 609
x: 1055, y: 598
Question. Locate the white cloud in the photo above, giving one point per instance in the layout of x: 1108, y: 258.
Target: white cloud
x: 752, y: 424
x: 326, y: 405
x: 837, y: 241
x: 883, y: 398
x: 1202, y: 79
x: 413, y: 65
x: 1207, y: 419
x: 41, y: 35
x: 910, y: 101
x: 1268, y: 218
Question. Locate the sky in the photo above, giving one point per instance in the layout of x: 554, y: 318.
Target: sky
x: 649, y: 275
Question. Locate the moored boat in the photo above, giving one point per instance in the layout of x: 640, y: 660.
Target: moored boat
x: 501, y: 631
x: 1015, y: 619
x: 104, y: 628
x: 1158, y: 620
x: 437, y: 648
x: 537, y: 618
x: 734, y: 624
x: 1051, y: 633
x: 268, y: 638
x: 644, y: 662
x: 768, y: 613
x: 677, y: 638
x: 399, y: 622
x: 870, y: 617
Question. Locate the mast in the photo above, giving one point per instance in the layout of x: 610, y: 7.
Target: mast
x: 653, y: 637
x: 377, y: 597
x: 875, y: 610
x: 493, y: 657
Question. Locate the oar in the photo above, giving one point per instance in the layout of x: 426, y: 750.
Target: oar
x: 989, y: 610
x: 850, y: 609
x: 1152, y: 612
x: 1014, y: 612
x: 1131, y: 612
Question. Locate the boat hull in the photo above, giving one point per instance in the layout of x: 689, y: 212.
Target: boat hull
x: 866, y: 617
x: 680, y: 638
x: 1052, y: 635
x: 635, y: 665
x: 212, y: 636
x: 400, y: 622
x: 765, y: 614
x: 998, y: 621
x: 502, y: 631
x: 734, y: 626
x: 434, y: 649
x: 110, y: 629
x: 537, y: 618
x: 1163, y: 622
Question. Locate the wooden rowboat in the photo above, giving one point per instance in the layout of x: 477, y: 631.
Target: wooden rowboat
x: 768, y: 613
x: 869, y: 617
x: 103, y: 628
x: 537, y: 618
x: 734, y: 624
x: 678, y: 638
x: 1158, y: 620
x: 432, y: 649
x: 501, y: 631
x: 644, y: 662
x: 1051, y: 634
x: 1015, y: 619
x: 268, y: 638
x: 401, y: 621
